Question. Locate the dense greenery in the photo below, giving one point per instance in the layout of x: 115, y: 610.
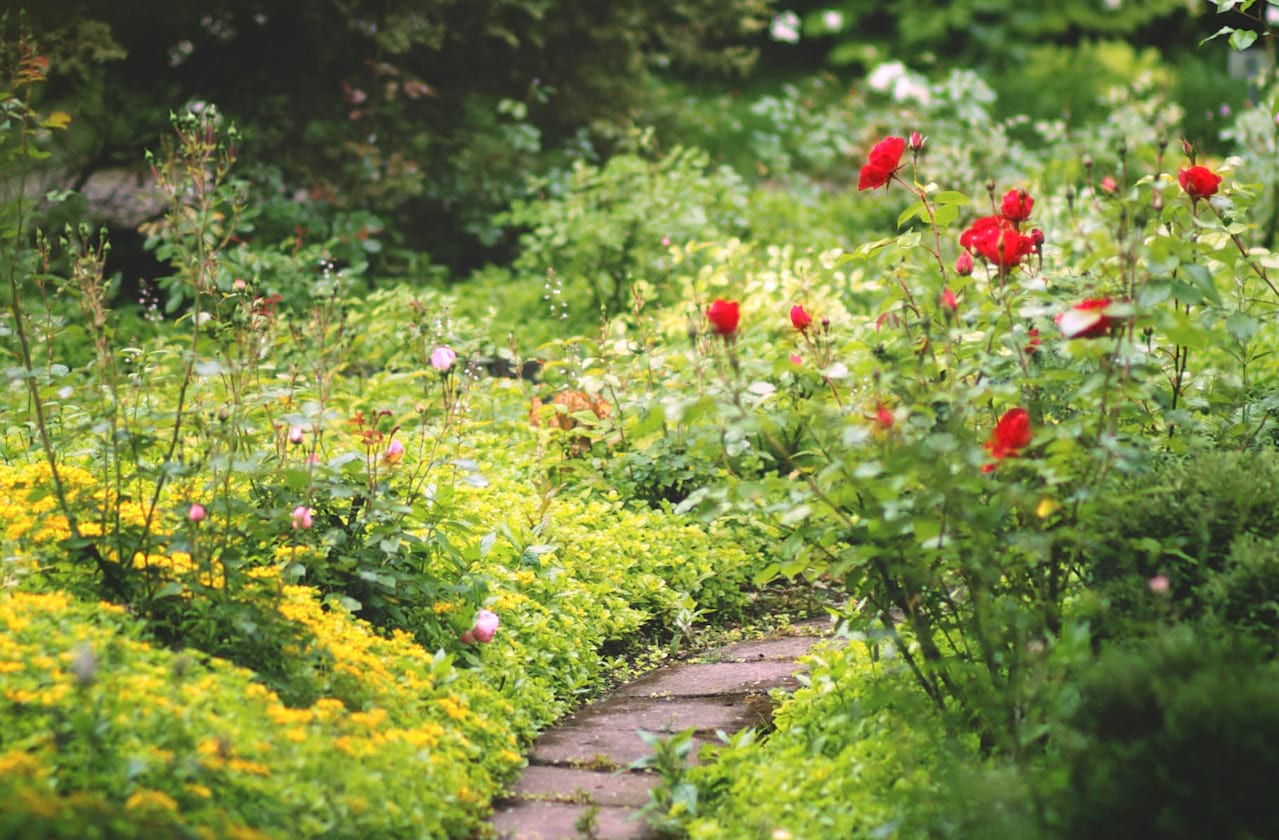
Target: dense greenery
x: 306, y: 495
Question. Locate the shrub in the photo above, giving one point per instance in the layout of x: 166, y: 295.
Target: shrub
x: 1174, y: 738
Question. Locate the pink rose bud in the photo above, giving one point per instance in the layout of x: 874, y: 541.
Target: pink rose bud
x: 1159, y: 584
x: 302, y: 517
x: 948, y: 300
x: 486, y: 623
x: 196, y: 513
x: 917, y: 141
x: 796, y: 359
x: 666, y: 242
x: 1037, y: 236
x: 393, y: 453
x: 468, y: 638
x: 238, y: 284
x: 964, y: 265
x: 1108, y: 184
x: 442, y: 359
x: 295, y: 435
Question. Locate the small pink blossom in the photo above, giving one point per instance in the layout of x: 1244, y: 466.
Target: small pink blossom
x: 393, y: 453
x: 666, y: 242
x: 1159, y: 584
x: 796, y: 359
x: 964, y: 264
x: 486, y: 624
x: 196, y: 513
x: 442, y: 359
x: 295, y: 435
x: 302, y: 517
x: 948, y: 300
x: 239, y: 285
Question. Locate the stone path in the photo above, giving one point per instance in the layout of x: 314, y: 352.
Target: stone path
x: 574, y: 767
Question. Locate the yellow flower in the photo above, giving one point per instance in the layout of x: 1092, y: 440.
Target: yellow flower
x: 151, y: 800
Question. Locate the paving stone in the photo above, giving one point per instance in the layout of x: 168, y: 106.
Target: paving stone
x: 712, y: 679
x: 571, y: 784
x: 559, y: 821
x: 607, y: 749
x: 777, y: 650
x: 666, y: 714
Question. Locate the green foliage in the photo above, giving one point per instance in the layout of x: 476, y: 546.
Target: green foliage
x: 606, y: 227
x: 1173, y: 739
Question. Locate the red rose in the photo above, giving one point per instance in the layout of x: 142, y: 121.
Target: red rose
x: 1086, y: 319
x: 995, y: 238
x: 1199, y: 182
x: 1010, y: 436
x: 724, y: 316
x: 799, y: 317
x: 1016, y: 206
x: 882, y: 162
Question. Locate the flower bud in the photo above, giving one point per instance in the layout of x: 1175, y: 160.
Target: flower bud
x: 393, y: 453
x: 1188, y: 149
x: 799, y: 317
x: 1037, y: 236
x: 948, y: 299
x: 196, y: 513
x: 302, y: 517
x: 917, y: 141
x: 295, y: 435
x: 964, y: 264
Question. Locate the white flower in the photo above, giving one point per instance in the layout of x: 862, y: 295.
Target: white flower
x: 785, y: 28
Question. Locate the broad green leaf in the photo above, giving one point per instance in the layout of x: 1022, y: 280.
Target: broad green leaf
x: 909, y: 213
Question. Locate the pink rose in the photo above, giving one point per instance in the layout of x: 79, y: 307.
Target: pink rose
x: 486, y: 624
x: 302, y: 517
x: 442, y: 359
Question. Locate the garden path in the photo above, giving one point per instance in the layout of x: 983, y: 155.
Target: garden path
x: 576, y: 782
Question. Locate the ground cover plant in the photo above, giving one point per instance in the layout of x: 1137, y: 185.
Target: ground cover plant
x: 304, y: 541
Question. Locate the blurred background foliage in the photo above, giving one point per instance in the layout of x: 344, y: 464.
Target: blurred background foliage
x: 432, y: 140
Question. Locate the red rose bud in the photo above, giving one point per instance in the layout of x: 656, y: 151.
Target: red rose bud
x: 883, y: 161
x: 1086, y: 319
x: 1016, y: 206
x: 917, y: 141
x: 799, y: 317
x: 1037, y: 236
x: 724, y: 316
x: 964, y: 265
x: 1199, y: 182
x: 884, y: 417
x: 1034, y: 342
x: 1010, y: 435
x: 948, y: 297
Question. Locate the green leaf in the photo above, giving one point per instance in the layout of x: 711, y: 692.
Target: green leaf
x: 950, y: 197
x: 910, y: 213
x: 1225, y: 30
x: 1242, y: 39
x: 766, y: 574
x: 945, y: 215
x: 1242, y: 326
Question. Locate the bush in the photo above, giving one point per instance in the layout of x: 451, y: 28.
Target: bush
x: 1176, y: 738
